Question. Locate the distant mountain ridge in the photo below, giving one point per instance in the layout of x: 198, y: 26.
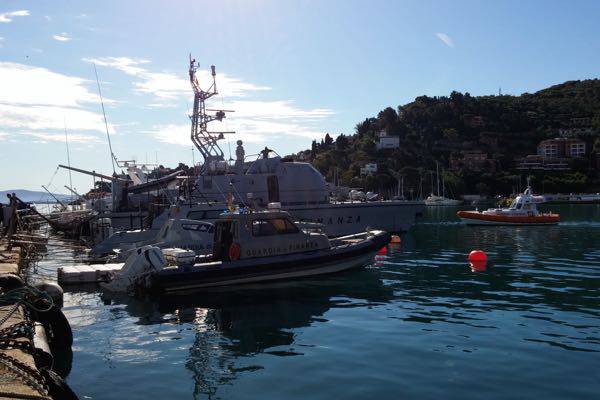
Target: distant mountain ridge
x: 33, y: 196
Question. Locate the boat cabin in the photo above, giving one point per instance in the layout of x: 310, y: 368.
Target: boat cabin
x: 524, y: 202
x: 266, y: 180
x: 243, y: 235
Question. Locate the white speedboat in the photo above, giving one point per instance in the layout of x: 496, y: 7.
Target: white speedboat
x: 249, y: 247
x: 177, y: 232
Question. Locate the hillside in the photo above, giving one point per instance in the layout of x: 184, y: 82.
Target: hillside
x: 32, y: 196
x: 477, y: 140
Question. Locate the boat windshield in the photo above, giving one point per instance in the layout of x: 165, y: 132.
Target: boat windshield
x: 268, y: 227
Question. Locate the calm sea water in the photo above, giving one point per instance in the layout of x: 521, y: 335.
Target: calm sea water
x: 415, y: 324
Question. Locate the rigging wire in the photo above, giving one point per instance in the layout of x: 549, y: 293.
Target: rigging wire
x: 68, y: 153
x: 49, y: 184
x: 52, y: 178
x: 112, y: 155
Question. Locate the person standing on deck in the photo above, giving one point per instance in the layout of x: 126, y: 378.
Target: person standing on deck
x: 265, y: 152
x: 10, y: 215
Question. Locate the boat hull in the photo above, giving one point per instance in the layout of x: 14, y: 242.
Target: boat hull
x: 338, y: 219
x: 443, y: 203
x: 479, y: 218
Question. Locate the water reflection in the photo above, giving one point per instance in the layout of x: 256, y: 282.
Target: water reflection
x: 235, y: 323
x: 418, y: 323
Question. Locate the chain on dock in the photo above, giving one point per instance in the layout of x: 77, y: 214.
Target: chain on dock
x: 29, y: 375
x: 22, y: 379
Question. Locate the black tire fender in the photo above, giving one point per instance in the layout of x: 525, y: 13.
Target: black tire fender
x: 57, y: 327
x: 10, y: 282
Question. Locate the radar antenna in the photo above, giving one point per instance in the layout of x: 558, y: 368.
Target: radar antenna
x: 205, y: 141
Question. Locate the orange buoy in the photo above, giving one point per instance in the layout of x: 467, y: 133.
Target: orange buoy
x: 395, y: 239
x: 478, y: 260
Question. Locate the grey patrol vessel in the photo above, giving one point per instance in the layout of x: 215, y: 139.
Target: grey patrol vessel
x: 297, y: 186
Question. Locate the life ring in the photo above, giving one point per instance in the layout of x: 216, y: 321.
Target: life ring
x: 234, y: 251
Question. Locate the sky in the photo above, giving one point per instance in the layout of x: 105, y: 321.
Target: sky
x: 291, y: 70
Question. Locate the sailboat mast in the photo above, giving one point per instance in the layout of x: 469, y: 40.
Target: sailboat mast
x: 431, y: 175
x: 437, y: 172
x: 402, y: 186
x: 443, y: 185
x: 112, y: 155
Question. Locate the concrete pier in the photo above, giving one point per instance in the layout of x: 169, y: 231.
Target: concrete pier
x: 19, y: 375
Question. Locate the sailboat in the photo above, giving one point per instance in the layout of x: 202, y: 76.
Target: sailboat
x: 437, y: 200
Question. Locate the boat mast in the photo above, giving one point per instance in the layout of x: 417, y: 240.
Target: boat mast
x: 402, y: 185
x: 437, y: 172
x: 443, y: 185
x: 205, y: 141
x: 113, y: 158
x: 431, y: 175
x: 68, y: 155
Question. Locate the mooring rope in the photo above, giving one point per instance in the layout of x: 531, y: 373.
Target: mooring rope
x: 27, y: 295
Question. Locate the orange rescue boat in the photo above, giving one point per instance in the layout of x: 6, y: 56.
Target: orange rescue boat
x: 522, y: 211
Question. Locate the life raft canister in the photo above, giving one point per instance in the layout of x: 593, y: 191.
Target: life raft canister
x: 234, y: 251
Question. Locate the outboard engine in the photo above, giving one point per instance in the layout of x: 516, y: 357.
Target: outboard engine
x: 138, y: 267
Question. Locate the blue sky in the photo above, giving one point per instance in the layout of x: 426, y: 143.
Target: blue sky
x: 291, y: 70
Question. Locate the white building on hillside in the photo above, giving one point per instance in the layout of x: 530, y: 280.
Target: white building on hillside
x: 387, y: 142
x: 368, y: 169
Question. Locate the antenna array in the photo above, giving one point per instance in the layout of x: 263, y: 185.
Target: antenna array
x: 205, y: 141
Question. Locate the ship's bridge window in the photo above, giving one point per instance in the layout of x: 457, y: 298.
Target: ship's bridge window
x: 277, y: 226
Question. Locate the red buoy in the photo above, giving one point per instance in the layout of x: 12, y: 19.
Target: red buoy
x: 478, y: 260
